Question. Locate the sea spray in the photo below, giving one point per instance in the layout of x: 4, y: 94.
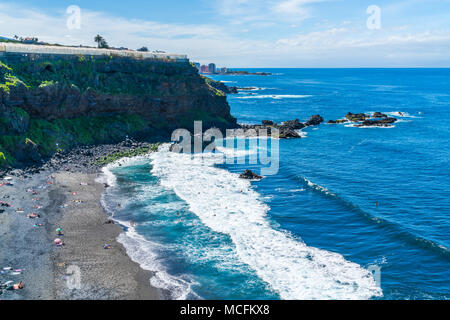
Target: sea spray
x: 229, y: 205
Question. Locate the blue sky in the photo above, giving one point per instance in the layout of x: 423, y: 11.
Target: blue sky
x: 251, y: 33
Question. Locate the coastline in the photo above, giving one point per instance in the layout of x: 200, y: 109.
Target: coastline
x: 68, y: 199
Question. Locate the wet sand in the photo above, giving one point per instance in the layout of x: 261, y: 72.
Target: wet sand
x: 50, y: 272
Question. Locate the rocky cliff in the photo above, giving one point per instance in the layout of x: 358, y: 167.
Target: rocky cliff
x: 48, y: 104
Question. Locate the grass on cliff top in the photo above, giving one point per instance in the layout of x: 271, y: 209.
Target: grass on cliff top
x: 127, y: 154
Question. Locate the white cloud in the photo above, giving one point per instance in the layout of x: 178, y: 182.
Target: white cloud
x: 343, y: 45
x: 294, y: 9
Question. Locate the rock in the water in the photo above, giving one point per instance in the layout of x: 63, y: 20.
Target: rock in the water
x: 292, y: 125
x: 314, y: 121
x: 250, y: 175
x: 379, y: 115
x: 267, y: 123
x: 339, y: 121
x: 356, y: 117
x: 288, y: 133
x: 379, y: 123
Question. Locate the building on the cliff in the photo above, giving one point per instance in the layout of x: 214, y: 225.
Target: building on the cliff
x: 8, y: 49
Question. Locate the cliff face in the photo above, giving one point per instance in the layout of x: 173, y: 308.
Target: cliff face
x: 52, y: 104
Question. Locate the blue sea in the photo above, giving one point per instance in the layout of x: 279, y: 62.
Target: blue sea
x: 353, y: 212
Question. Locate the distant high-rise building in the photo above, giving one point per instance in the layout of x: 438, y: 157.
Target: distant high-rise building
x: 212, y: 68
x: 204, y: 69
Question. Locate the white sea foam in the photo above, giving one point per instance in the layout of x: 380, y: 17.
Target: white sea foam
x: 302, y: 133
x: 140, y: 249
x: 143, y: 252
x: 275, y: 96
x: 354, y: 125
x: 232, y: 152
x: 401, y: 114
x: 318, y: 187
x: 229, y: 205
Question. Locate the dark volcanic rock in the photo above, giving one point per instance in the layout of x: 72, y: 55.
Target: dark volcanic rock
x: 267, y: 123
x: 287, y: 129
x: 339, y: 121
x: 288, y: 133
x: 248, y: 174
x: 357, y: 117
x: 379, y: 123
x: 314, y: 121
x: 379, y: 115
x: 292, y: 125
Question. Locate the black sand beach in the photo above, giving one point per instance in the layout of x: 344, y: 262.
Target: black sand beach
x: 70, y: 201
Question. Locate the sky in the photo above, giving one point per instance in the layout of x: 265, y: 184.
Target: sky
x: 249, y: 33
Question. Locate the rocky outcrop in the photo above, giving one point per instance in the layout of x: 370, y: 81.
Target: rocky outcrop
x: 314, y: 121
x: 339, y: 121
x: 378, y: 122
x: 377, y: 119
x: 287, y: 129
x: 356, y: 117
x: 379, y: 115
x: 219, y: 85
x: 250, y: 175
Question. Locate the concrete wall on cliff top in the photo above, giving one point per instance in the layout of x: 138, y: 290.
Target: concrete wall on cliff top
x: 17, y: 48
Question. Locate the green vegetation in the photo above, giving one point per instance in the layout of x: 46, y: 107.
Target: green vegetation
x: 9, y: 81
x: 2, y: 157
x: 127, y: 154
x: 46, y: 83
x: 104, y: 74
x: 61, y: 134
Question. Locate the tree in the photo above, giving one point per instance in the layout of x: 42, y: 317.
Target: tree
x: 104, y: 44
x: 99, y: 39
x: 143, y: 49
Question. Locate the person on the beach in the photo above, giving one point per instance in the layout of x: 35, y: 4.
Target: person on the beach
x: 132, y: 223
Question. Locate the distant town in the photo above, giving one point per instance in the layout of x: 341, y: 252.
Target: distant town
x: 212, y: 69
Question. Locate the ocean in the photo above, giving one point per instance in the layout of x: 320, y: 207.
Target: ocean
x: 353, y: 213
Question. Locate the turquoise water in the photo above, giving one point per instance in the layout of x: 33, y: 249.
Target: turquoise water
x: 312, y: 230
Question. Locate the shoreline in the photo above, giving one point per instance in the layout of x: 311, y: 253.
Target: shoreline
x: 67, y: 197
